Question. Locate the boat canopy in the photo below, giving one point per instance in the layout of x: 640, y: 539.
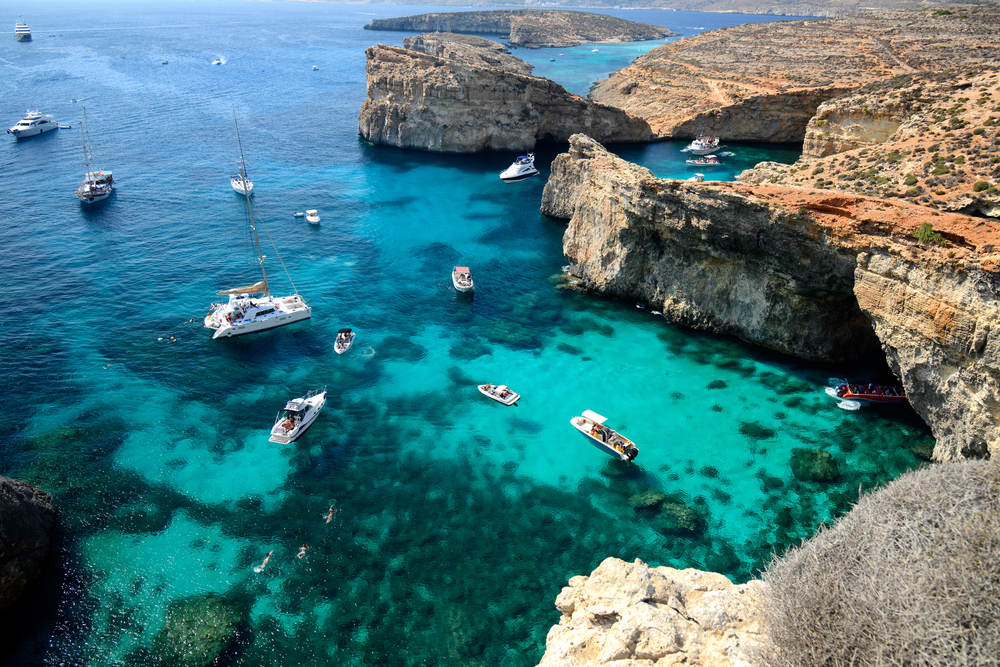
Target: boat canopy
x: 594, y: 417
x: 258, y: 288
x: 296, y: 405
x: 347, y: 331
x: 461, y: 269
x: 501, y: 388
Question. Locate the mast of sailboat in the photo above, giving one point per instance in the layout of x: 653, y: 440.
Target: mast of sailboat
x: 246, y: 193
x: 86, y: 148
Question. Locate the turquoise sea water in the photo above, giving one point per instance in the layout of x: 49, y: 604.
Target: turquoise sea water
x: 456, y: 520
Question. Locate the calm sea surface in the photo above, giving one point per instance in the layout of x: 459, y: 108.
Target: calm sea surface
x: 456, y: 520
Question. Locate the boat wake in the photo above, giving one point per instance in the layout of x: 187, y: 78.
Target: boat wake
x: 368, y: 352
x: 726, y: 154
x: 850, y: 406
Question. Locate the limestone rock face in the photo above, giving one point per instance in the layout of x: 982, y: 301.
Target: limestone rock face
x: 707, y: 258
x: 26, y: 521
x: 812, y: 273
x: 631, y: 615
x: 467, y: 49
x: 530, y: 28
x: 426, y: 102
x: 763, y: 82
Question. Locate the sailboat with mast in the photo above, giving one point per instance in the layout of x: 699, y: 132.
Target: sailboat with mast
x: 252, y: 309
x: 98, y: 185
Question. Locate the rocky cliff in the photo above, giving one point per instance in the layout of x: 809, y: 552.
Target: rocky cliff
x: 764, y: 82
x: 633, y: 614
x: 467, y: 49
x: 26, y: 521
x: 812, y: 273
x: 422, y: 101
x: 530, y: 28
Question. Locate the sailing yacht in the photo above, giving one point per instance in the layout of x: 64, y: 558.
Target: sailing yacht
x: 252, y: 309
x: 241, y: 183
x: 97, y: 185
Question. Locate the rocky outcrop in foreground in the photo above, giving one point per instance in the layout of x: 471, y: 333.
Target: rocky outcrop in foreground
x: 26, y: 521
x: 426, y: 102
x: 812, y: 273
x: 633, y: 614
x: 530, y: 28
x: 764, y: 82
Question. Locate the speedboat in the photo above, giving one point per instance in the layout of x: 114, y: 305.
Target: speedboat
x: 462, y: 279
x: 500, y: 393
x: 315, y: 68
x: 21, y: 31
x: 708, y: 160
x: 298, y: 415
x: 870, y: 393
x: 523, y: 167
x: 703, y: 145
x: 312, y: 215
x: 345, y: 339
x: 241, y: 183
x: 591, y: 425
x: 33, y: 123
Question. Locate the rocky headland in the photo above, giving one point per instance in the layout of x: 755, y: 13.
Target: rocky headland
x: 821, y: 275
x: 529, y: 28
x: 433, y: 103
x: 764, y: 82
x: 26, y: 521
x: 467, y: 49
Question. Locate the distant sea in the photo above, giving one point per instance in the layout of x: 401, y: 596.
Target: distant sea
x: 455, y: 520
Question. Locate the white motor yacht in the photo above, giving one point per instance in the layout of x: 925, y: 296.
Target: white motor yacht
x: 298, y: 415
x: 345, y: 339
x: 21, y: 31
x: 591, y: 425
x: 703, y: 145
x: 312, y: 215
x: 523, y: 167
x: 241, y: 183
x: 500, y: 393
x: 462, y: 279
x: 33, y: 123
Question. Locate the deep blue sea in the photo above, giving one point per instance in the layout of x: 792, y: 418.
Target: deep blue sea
x: 456, y: 520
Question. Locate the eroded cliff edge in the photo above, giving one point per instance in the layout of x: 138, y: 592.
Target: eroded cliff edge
x: 427, y: 102
x: 530, y: 28
x: 816, y: 274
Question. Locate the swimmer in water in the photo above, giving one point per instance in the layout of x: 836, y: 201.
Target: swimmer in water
x: 329, y: 516
x: 302, y: 552
x: 266, y: 558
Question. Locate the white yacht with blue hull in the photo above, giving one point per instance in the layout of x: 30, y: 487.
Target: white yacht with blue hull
x: 591, y: 426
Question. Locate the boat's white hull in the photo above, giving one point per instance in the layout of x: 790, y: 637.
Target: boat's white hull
x: 584, y: 428
x: 88, y: 197
x: 460, y: 287
x: 511, y: 398
x: 32, y: 131
x: 514, y: 177
x: 702, y: 150
x: 238, y: 187
x: 284, y: 436
x: 23, y: 36
x: 343, y: 346
x: 289, y: 310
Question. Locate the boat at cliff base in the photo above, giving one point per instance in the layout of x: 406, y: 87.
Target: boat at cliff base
x: 523, y: 167
x: 703, y: 145
x: 591, y: 426
x: 298, y: 415
x: 869, y: 393
x: 707, y: 161
x: 500, y: 393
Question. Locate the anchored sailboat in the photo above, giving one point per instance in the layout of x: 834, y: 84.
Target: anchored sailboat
x: 97, y: 185
x: 252, y: 309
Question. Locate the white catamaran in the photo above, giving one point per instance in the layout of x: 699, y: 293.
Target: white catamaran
x: 253, y: 309
x: 98, y: 185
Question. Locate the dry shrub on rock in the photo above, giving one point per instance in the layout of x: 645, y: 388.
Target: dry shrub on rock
x: 911, y: 576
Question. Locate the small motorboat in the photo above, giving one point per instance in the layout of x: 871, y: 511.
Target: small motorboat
x: 500, y: 393
x: 871, y: 393
x: 165, y: 62
x: 523, y: 167
x: 217, y: 61
x: 591, y: 425
x: 707, y: 161
x: 298, y: 415
x: 703, y: 145
x: 462, y: 279
x: 298, y: 215
x: 33, y: 123
x: 345, y: 339
x: 312, y: 215
x: 315, y: 68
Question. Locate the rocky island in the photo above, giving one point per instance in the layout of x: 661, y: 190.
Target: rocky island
x: 529, y: 28
x: 470, y: 99
x: 764, y: 82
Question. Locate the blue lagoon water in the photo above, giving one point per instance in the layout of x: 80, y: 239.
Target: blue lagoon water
x: 457, y: 520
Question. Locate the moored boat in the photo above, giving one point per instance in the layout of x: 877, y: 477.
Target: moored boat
x: 707, y: 161
x: 33, y: 123
x: 97, y: 185
x: 345, y: 339
x: 871, y: 393
x: 500, y: 393
x: 462, y: 279
x: 21, y: 31
x: 523, y: 167
x: 591, y: 426
x: 703, y: 145
x: 298, y: 415
x: 312, y: 215
x: 241, y: 183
